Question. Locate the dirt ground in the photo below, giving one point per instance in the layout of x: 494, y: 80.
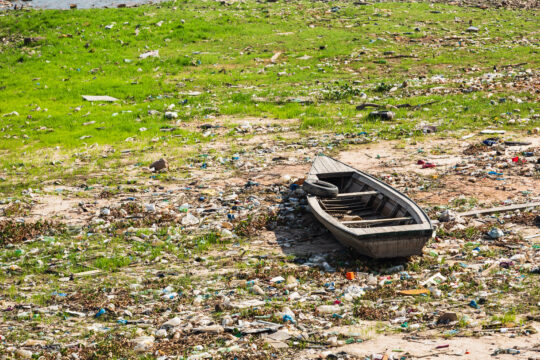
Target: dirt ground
x: 382, y: 159
x: 289, y: 242
x: 444, y: 349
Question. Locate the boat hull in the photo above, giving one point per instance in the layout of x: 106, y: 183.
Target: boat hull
x: 368, y: 215
x: 381, y: 246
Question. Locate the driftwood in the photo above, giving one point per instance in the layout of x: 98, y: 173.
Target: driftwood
x: 500, y: 209
x: 402, y: 57
x: 365, y: 105
x: 513, y: 65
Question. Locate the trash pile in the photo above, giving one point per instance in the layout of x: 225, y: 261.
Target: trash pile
x: 172, y: 225
x: 208, y: 269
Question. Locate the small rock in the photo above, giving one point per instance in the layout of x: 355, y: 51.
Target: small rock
x: 159, y: 165
x: 495, y: 233
x: 447, y: 318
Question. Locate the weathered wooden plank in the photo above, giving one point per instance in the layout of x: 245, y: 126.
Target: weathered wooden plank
x: 346, y: 207
x: 361, y: 193
x: 376, y: 221
x: 350, y: 201
x: 500, y: 209
x: 395, y: 211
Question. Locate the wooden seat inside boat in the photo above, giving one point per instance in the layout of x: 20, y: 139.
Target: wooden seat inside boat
x: 359, y: 205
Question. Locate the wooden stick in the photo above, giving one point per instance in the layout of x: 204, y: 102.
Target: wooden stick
x: 500, y: 209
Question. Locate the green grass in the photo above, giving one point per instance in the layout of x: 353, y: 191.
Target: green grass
x: 224, y: 53
x: 112, y: 263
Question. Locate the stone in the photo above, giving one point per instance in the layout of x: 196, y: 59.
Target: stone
x: 447, y: 318
x: 159, y: 165
x: 495, y: 233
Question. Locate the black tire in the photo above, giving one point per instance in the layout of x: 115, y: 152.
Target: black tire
x: 320, y: 188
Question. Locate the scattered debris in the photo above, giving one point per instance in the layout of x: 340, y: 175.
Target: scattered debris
x: 99, y: 98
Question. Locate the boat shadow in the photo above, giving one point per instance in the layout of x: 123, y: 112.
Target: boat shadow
x: 306, y: 241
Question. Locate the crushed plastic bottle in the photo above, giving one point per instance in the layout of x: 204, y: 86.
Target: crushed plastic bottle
x: 190, y: 219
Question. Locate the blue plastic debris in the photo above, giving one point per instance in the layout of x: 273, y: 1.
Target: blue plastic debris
x: 404, y: 275
x: 330, y: 286
x: 100, y: 312
x: 473, y: 304
x: 288, y: 318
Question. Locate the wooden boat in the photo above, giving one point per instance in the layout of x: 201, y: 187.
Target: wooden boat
x: 367, y: 214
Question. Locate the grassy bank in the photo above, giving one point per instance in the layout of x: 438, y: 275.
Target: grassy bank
x: 310, y: 61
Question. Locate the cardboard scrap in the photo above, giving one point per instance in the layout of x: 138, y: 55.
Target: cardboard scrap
x: 99, y: 98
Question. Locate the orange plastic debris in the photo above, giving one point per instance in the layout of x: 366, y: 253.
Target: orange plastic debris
x: 414, y: 292
x: 350, y: 275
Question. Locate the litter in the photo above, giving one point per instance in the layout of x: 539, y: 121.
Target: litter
x: 104, y: 98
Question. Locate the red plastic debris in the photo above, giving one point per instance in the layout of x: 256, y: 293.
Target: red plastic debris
x: 515, y: 159
x: 421, y: 162
x: 428, y: 165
